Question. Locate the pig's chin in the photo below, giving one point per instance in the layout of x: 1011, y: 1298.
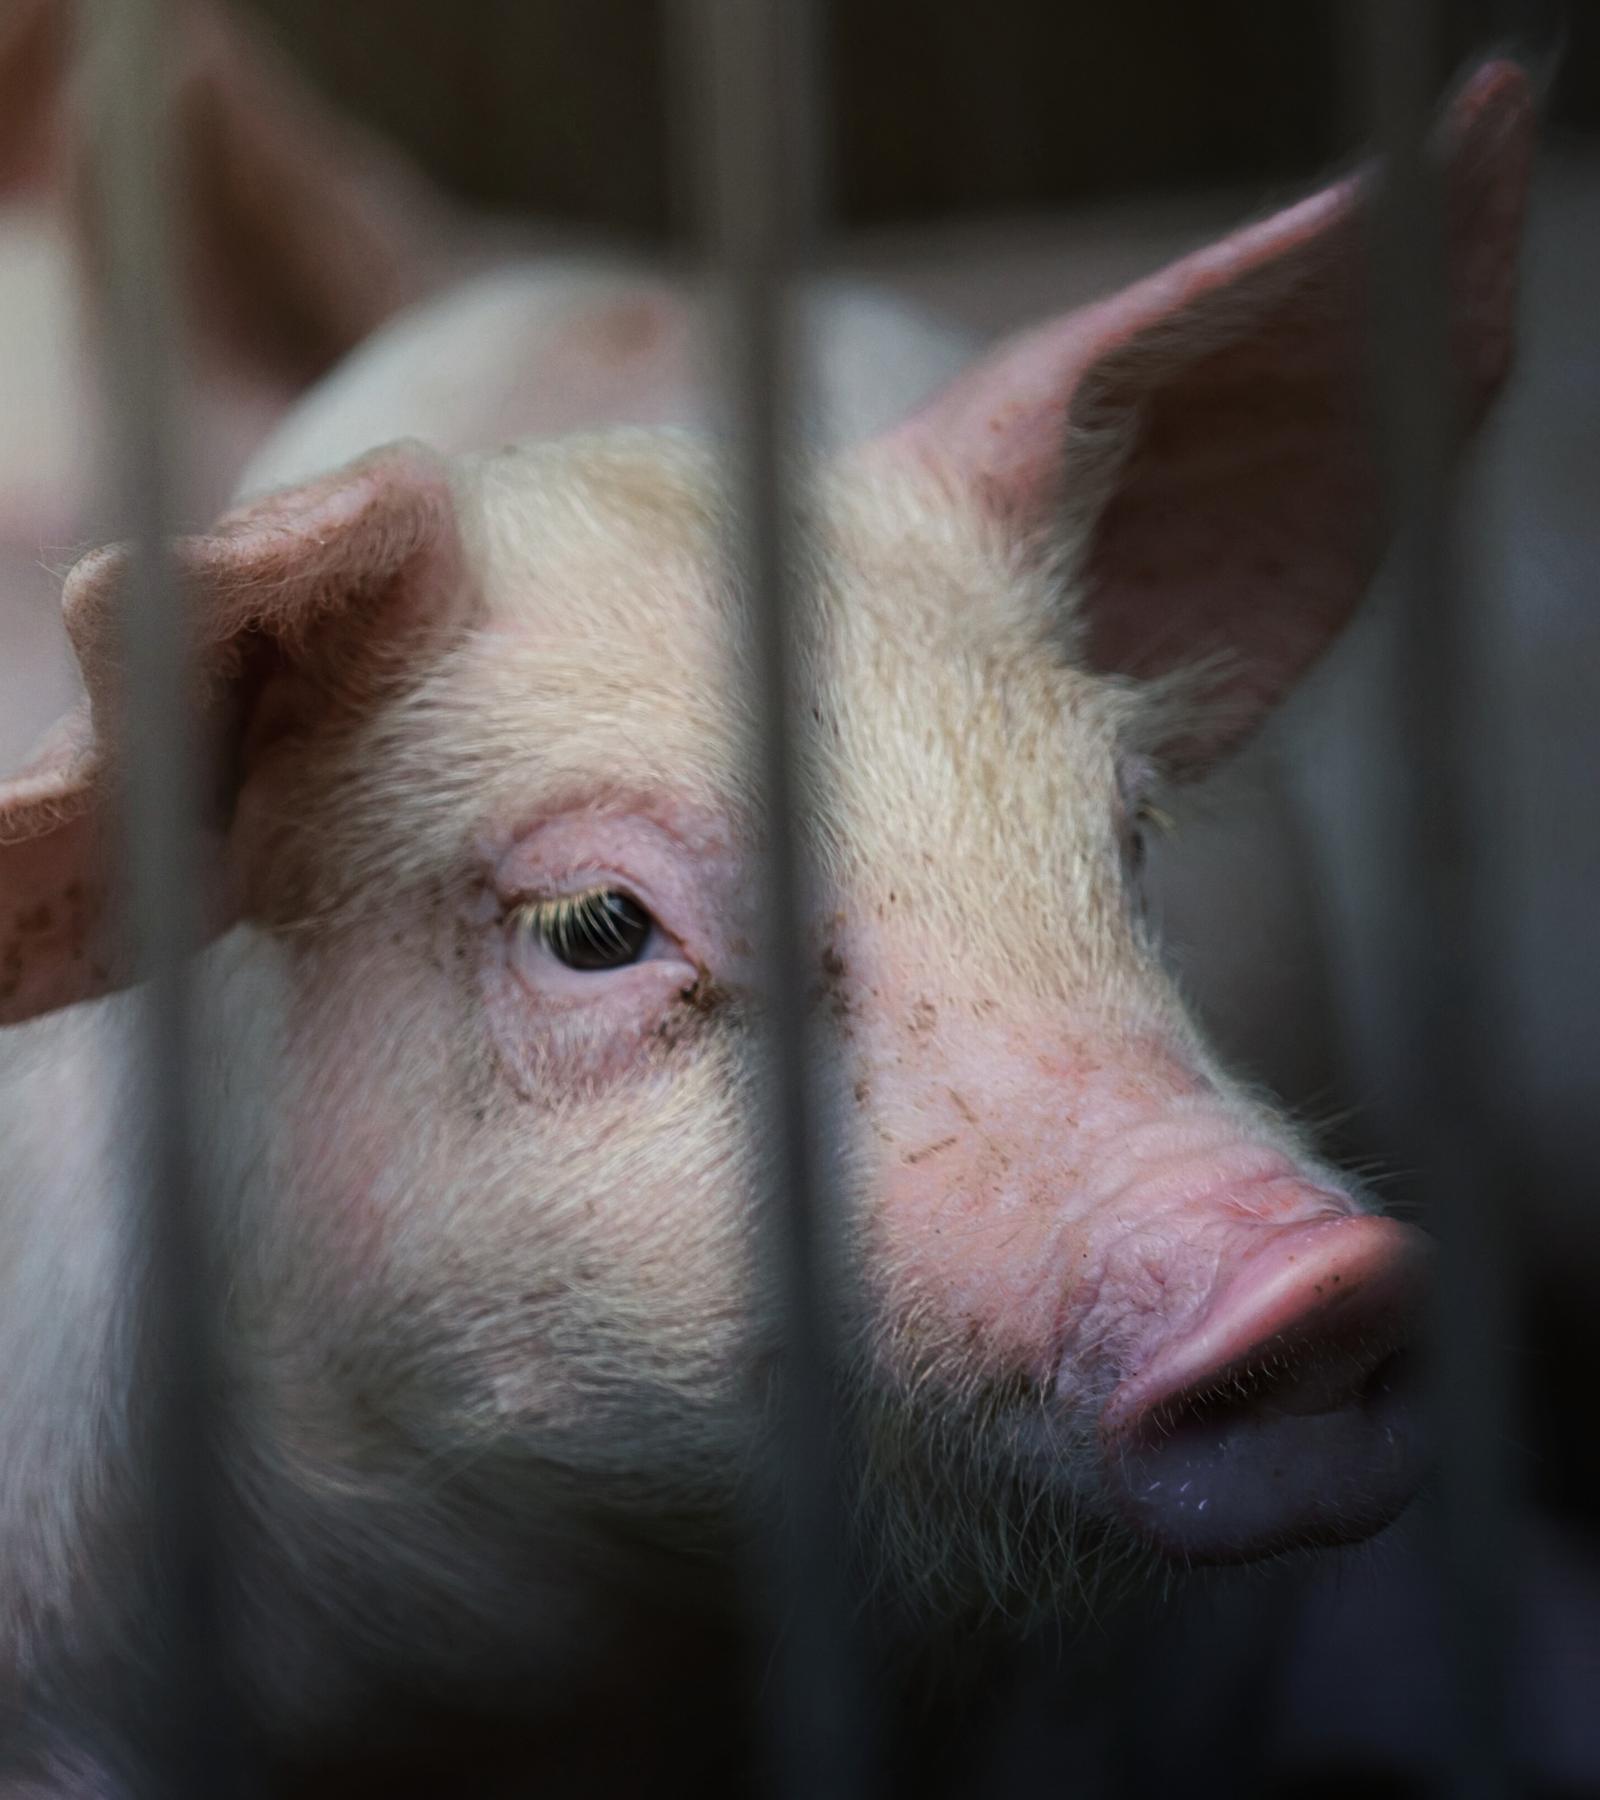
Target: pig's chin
x: 1288, y: 1416
x: 1220, y: 1480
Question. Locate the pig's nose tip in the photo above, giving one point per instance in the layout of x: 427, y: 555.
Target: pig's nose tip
x: 1287, y: 1415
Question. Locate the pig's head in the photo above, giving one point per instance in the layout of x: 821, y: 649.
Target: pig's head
x: 489, y: 827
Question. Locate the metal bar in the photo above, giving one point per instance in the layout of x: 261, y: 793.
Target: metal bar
x: 747, y: 65
x: 176, y: 1588
x: 1437, y: 944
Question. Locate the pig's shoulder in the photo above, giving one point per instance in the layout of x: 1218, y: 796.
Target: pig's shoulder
x: 531, y: 349
x: 545, y: 348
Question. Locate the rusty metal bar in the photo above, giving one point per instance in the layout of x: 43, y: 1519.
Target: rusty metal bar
x: 748, y: 75
x: 1434, y: 892
x: 181, y: 1735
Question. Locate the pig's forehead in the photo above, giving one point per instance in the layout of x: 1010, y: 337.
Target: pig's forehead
x: 611, y: 639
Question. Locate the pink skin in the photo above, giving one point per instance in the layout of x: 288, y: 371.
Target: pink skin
x: 1079, y: 1200
x: 1091, y: 1210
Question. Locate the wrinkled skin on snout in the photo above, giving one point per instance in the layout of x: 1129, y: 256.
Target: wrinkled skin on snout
x: 487, y: 1000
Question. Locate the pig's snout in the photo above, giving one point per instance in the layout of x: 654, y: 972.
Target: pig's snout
x: 1286, y: 1415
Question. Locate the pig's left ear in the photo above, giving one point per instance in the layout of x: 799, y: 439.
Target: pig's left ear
x: 1202, y: 445
x: 319, y: 598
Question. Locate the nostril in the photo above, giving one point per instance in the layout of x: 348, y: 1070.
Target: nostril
x: 1320, y: 1377
x: 1392, y: 1374
x: 1393, y: 1395
x: 1303, y: 1380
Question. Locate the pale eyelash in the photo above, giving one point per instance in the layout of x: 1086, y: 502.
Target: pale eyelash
x: 552, y: 920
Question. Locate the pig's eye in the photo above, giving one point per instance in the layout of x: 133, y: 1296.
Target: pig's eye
x: 600, y: 929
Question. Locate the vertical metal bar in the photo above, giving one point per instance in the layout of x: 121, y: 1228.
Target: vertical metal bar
x: 1436, y: 942
x: 749, y: 66
x: 176, y: 1587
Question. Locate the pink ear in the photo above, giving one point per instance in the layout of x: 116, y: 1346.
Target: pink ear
x: 353, y: 580
x: 1202, y: 445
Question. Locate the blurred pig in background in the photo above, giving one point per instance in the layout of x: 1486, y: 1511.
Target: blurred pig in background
x: 298, y: 232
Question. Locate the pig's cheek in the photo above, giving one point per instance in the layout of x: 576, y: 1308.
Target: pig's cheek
x: 549, y: 1045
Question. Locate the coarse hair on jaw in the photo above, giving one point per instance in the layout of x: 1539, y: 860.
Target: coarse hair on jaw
x: 955, y: 1522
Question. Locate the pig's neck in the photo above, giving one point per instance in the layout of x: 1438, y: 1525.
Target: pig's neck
x: 363, y: 1567
x: 65, y: 1325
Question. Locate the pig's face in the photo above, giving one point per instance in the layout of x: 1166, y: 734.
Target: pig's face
x: 492, y: 827
x: 520, y: 1160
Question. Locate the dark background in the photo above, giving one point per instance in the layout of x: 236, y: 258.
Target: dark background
x: 938, y: 107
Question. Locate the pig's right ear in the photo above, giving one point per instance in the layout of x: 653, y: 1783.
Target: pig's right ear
x: 1200, y: 450
x: 328, y: 595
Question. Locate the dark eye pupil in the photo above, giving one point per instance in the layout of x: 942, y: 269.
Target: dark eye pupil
x: 602, y: 931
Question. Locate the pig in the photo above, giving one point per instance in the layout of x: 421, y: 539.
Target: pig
x: 483, y: 1004
x: 302, y: 234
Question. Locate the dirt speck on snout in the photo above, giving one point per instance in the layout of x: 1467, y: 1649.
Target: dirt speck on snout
x: 963, y: 1106
x: 834, y: 989
x: 915, y: 1156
